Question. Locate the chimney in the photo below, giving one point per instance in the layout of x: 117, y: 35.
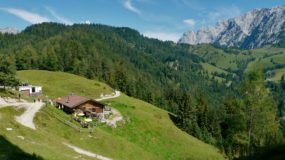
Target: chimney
x: 67, y: 101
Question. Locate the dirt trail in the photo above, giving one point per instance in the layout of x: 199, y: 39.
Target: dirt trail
x: 116, y: 117
x: 87, y: 153
x: 26, y: 119
x: 117, y: 94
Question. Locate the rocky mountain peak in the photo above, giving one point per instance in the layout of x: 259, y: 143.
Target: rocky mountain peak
x: 254, y: 29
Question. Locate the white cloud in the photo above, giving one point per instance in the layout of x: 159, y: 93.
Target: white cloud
x: 87, y: 22
x: 26, y: 15
x: 58, y: 17
x: 190, y: 22
x: 165, y: 36
x: 128, y: 5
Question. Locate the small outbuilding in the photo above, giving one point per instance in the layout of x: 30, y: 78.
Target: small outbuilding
x: 30, y: 90
x: 72, y: 103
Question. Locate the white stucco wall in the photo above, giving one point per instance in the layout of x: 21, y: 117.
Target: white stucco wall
x: 38, y: 89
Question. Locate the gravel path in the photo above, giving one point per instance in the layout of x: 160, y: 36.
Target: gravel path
x: 26, y: 119
x: 87, y: 153
x: 117, y: 94
x: 116, y: 117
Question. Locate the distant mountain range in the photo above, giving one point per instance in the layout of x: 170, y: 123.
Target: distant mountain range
x: 254, y: 29
x: 9, y: 30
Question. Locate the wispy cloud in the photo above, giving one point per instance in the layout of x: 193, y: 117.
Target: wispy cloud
x: 190, y: 22
x: 210, y: 18
x: 58, y: 17
x: 26, y: 15
x: 165, y: 36
x: 224, y: 13
x: 129, y: 6
x: 193, y: 4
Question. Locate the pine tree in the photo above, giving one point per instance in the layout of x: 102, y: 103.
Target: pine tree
x: 202, y: 113
x: 260, y: 112
x: 121, y: 77
x: 234, y: 127
x: 187, y: 115
x: 8, y: 71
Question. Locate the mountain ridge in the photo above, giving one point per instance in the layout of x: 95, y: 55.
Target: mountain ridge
x: 254, y: 29
x: 8, y: 30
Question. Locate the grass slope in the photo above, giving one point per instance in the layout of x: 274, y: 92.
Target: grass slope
x: 57, y: 84
x: 219, y: 57
x: 212, y: 69
x: 278, y: 73
x: 148, y: 132
x: 267, y: 57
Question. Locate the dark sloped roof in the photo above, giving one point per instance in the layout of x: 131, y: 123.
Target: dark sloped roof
x: 73, y: 101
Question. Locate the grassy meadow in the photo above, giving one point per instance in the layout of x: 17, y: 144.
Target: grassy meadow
x: 146, y: 133
x: 56, y: 84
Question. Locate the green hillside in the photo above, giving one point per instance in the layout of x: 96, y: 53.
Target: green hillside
x: 148, y: 132
x: 56, y: 84
x: 272, y: 60
x: 182, y: 79
x: 277, y: 74
x: 222, y: 58
x: 232, y: 60
x: 211, y: 70
x: 269, y: 62
x: 121, y: 57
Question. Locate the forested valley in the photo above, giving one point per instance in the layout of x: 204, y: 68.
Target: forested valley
x: 240, y: 114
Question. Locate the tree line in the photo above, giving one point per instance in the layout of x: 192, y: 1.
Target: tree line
x: 7, y: 72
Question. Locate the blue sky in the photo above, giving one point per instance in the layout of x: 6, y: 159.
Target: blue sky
x: 163, y: 19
